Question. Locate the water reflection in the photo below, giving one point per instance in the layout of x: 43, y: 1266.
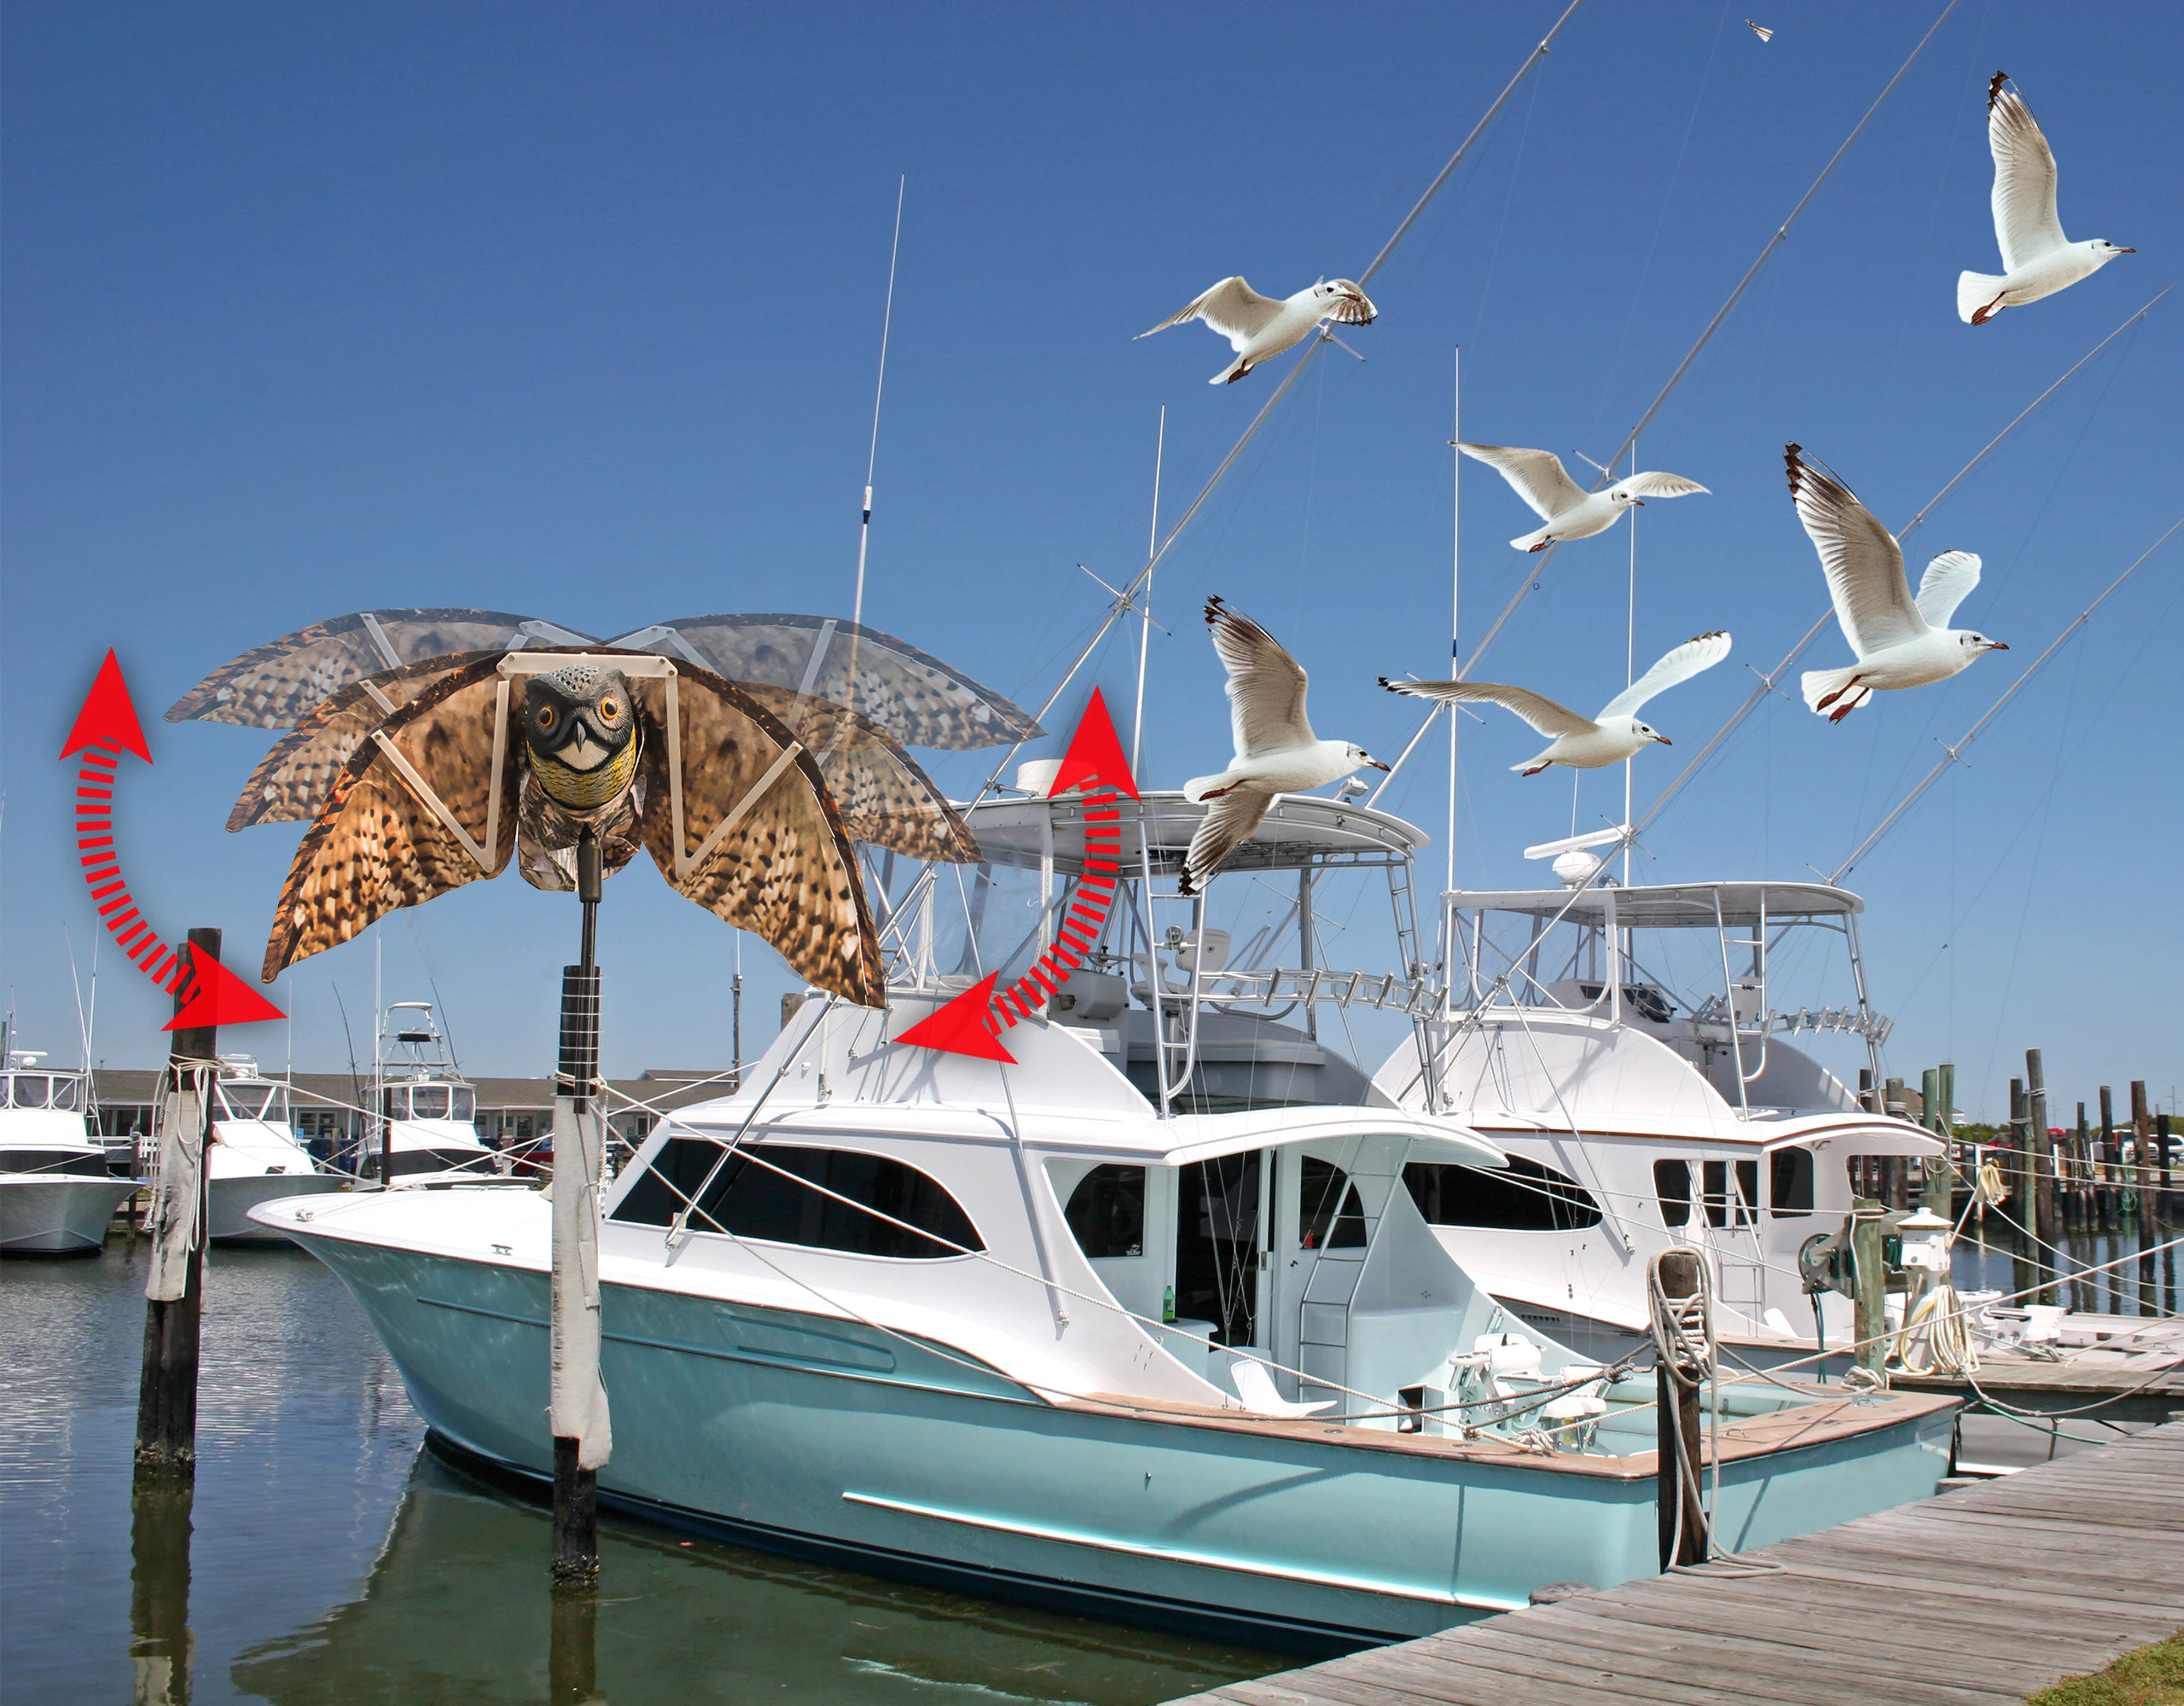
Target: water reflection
x: 160, y: 1644
x: 334, y: 1561
x: 457, y: 1606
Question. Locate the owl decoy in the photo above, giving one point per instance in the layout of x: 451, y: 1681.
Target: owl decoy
x: 516, y: 752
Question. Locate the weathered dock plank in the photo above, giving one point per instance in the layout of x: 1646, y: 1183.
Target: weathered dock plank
x: 2079, y: 1560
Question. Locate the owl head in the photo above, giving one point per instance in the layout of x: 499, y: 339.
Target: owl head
x: 580, y: 728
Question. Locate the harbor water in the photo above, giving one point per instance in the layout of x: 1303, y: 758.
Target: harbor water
x: 332, y: 1558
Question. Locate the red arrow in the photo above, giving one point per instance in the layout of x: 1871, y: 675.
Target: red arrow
x: 105, y: 728
x: 972, y: 1023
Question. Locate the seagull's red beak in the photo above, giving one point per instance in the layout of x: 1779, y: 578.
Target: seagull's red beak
x: 1664, y: 741
x: 1377, y: 765
x: 1637, y: 503
x: 1996, y: 646
x: 2127, y: 252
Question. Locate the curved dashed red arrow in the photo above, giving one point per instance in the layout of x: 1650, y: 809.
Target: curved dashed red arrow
x: 973, y: 1022
x: 105, y: 728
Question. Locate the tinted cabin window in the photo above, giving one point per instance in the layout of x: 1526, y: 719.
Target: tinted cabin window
x: 1328, y: 1214
x: 1725, y: 1208
x: 1107, y: 1211
x: 1672, y: 1187
x: 1789, y: 1182
x: 1524, y: 1197
x: 750, y: 1200
x: 30, y: 1091
x: 466, y: 1104
x: 51, y: 1161
x: 428, y: 1103
x: 410, y: 1161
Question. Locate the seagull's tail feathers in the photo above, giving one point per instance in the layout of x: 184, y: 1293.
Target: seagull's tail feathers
x: 1532, y: 541
x: 1200, y: 788
x: 1820, y: 685
x: 1974, y: 291
x: 1532, y: 767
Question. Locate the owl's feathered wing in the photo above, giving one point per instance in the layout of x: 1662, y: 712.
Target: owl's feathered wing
x: 883, y: 795
x: 278, y: 684
x: 784, y: 869
x: 293, y: 780
x: 377, y: 845
x: 913, y: 695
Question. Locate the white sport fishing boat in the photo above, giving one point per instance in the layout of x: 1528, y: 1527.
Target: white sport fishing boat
x: 425, y: 1132
x: 1630, y: 1050
x: 56, y: 1196
x: 1142, y: 1321
x: 253, y: 1156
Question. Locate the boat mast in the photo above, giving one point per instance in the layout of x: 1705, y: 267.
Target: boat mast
x: 1145, y: 610
x: 1630, y: 656
x: 879, y: 389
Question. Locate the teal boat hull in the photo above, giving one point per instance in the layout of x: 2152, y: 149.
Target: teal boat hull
x: 827, y: 1439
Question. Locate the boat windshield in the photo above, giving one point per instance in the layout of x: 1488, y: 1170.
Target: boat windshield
x: 250, y: 1100
x: 41, y: 1090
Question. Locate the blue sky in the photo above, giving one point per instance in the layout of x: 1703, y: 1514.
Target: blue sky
x: 573, y: 310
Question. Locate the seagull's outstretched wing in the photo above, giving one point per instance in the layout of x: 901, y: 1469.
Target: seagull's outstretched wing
x: 783, y: 867
x: 1948, y: 582
x: 1680, y: 664
x: 1660, y: 485
x: 1228, y: 824
x: 1864, y: 568
x: 913, y: 695
x: 1232, y: 308
x: 293, y: 780
x: 1536, y: 709
x: 378, y: 843
x: 1266, y: 686
x: 1537, y: 476
x: 2025, y: 223
x: 277, y: 685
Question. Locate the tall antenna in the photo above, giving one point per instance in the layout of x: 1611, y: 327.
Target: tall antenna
x: 1631, y: 654
x: 1456, y: 615
x: 879, y: 389
x: 1145, y: 615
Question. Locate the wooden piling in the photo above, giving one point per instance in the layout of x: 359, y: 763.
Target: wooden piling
x: 2142, y: 1177
x: 2110, y: 1208
x: 2046, y: 1225
x: 2021, y: 1175
x: 1679, y: 1500
x: 1870, y: 1267
x: 166, y: 1391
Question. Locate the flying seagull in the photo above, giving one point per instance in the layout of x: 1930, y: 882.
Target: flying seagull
x: 1901, y: 642
x: 1763, y: 35
x: 1277, y: 751
x: 516, y: 756
x: 2037, y: 259
x: 1260, y: 327
x: 1570, y: 511
x: 1581, y: 742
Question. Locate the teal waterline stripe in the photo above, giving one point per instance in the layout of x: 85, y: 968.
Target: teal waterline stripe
x: 835, y: 1371
x: 1177, y: 1555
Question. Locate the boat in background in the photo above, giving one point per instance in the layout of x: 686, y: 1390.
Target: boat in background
x: 424, y: 1110
x: 253, y: 1156
x: 57, y: 1195
x: 1626, y: 1048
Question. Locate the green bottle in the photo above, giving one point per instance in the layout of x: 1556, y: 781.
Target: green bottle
x: 1168, y: 1304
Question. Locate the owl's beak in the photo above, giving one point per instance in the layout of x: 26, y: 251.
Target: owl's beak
x: 584, y: 750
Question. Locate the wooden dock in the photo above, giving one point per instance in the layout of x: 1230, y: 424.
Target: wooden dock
x: 1977, y: 1598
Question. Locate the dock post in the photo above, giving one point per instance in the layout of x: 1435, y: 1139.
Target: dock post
x: 167, y: 1392
x: 2167, y: 1256
x: 2042, y: 1150
x: 2111, y: 1207
x: 1869, y: 1268
x: 2019, y: 1175
x: 1938, y: 1173
x: 1678, y: 1382
x: 577, y: 1399
x: 2142, y: 1175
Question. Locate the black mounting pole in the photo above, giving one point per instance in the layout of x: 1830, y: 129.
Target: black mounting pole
x: 576, y: 1489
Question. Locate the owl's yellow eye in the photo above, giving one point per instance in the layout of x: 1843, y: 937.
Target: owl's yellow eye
x: 610, y: 708
x: 545, y: 716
